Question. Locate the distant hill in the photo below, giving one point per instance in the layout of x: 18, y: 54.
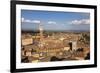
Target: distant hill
x: 37, y: 31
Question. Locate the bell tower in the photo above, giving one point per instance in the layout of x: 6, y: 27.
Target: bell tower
x: 41, y: 35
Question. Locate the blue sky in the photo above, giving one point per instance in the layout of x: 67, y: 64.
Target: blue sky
x: 52, y: 20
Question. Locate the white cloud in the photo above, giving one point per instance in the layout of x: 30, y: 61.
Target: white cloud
x: 29, y: 21
x: 35, y: 21
x: 80, y: 22
x: 51, y: 22
x: 22, y: 19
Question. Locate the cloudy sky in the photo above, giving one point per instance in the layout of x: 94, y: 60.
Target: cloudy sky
x: 51, y: 20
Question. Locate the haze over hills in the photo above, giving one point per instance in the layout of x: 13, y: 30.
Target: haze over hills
x: 57, y: 27
x: 56, y: 31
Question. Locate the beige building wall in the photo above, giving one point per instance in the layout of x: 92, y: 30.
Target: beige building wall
x: 27, y: 41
